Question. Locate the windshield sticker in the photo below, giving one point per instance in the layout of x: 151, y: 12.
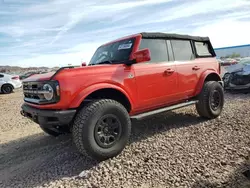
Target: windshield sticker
x: 125, y: 46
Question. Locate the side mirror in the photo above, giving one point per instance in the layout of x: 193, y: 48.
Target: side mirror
x: 142, y: 55
x: 84, y: 64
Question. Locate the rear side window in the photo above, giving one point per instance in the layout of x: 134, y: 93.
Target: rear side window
x: 182, y: 50
x: 1, y: 76
x: 157, y: 47
x: 202, y: 49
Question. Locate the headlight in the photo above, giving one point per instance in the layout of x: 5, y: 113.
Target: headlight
x: 49, y: 92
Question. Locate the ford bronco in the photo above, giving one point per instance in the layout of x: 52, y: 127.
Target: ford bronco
x: 130, y: 78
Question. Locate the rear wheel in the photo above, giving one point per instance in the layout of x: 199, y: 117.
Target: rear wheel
x: 102, y: 129
x: 211, y: 100
x: 6, y: 89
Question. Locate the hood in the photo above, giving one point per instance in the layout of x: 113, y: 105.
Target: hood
x: 39, y: 77
x: 86, y: 71
x: 243, y: 69
x: 75, y: 72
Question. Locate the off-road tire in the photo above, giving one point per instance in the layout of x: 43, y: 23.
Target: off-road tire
x: 86, y: 122
x: 50, y: 132
x: 7, y: 89
x: 204, y: 105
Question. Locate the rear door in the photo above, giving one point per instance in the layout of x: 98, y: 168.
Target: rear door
x: 204, y: 58
x: 157, y: 79
x: 187, y: 68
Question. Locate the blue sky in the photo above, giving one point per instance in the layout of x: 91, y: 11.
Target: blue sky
x: 60, y: 32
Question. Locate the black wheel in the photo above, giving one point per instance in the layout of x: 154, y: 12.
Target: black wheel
x: 6, y: 89
x: 211, y: 100
x: 102, y: 129
x: 226, y: 79
x: 50, y: 131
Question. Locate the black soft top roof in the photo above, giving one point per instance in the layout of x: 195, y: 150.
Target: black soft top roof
x: 157, y: 35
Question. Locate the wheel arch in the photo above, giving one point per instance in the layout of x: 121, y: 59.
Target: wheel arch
x: 207, y: 76
x: 107, y: 91
x: 7, y: 84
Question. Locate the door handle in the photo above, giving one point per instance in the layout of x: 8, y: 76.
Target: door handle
x: 196, y: 68
x: 169, y: 71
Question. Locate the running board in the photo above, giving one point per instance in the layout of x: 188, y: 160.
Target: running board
x: 165, y: 109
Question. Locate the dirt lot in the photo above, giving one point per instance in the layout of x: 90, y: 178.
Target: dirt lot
x: 176, y: 149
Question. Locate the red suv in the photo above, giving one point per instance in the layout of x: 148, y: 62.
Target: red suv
x: 130, y: 78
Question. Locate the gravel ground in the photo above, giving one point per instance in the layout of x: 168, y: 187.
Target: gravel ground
x: 176, y: 149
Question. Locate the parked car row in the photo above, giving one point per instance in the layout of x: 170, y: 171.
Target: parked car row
x: 228, y: 61
x: 28, y: 74
x: 9, y: 82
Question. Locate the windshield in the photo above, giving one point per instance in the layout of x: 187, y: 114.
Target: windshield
x: 113, y: 53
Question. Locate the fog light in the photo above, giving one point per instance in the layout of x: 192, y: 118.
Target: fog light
x: 49, y: 93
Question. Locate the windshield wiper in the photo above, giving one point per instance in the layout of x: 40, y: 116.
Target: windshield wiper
x: 102, y: 62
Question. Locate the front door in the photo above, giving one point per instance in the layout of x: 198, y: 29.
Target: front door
x: 157, y: 79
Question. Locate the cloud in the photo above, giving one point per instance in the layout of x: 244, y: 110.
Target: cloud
x: 53, y: 31
x: 77, y: 15
x: 226, y: 33
x: 54, y: 59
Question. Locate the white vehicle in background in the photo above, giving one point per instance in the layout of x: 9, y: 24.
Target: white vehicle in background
x: 8, y: 83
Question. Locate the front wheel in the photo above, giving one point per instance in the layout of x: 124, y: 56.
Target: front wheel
x: 102, y: 129
x: 210, y: 100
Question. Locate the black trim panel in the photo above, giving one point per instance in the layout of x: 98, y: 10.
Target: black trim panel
x: 48, y: 118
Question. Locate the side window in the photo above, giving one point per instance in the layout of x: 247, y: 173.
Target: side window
x: 202, y: 49
x: 182, y: 50
x: 157, y: 47
x: 1, y: 76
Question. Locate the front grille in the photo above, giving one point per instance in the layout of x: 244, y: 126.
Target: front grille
x: 34, y: 93
x: 31, y: 92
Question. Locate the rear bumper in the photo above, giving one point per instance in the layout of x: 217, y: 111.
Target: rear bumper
x: 17, y: 84
x: 18, y: 87
x: 48, y: 118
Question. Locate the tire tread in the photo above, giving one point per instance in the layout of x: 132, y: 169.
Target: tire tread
x: 81, y: 120
x: 202, y: 106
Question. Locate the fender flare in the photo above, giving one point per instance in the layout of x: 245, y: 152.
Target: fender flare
x: 76, y: 102
x: 203, y: 77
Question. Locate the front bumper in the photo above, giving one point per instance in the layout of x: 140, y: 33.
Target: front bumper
x: 48, y: 118
x: 238, y: 87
